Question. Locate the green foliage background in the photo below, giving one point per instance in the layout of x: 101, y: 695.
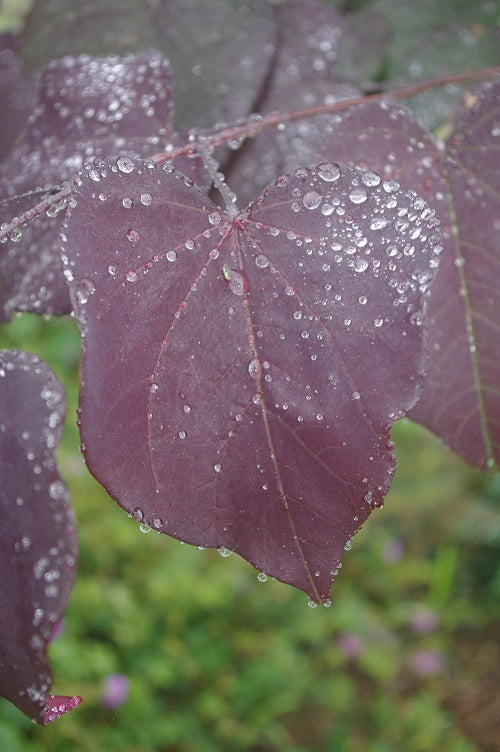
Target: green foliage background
x: 218, y: 661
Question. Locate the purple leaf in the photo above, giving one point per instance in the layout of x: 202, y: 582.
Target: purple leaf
x: 38, y: 541
x: 240, y: 374
x: 87, y: 108
x: 220, y: 50
x: 460, y: 180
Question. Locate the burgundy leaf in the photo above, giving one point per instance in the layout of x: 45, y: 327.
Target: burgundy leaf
x: 460, y: 180
x: 88, y: 108
x: 220, y: 50
x: 303, y: 76
x: 38, y: 541
x: 240, y: 373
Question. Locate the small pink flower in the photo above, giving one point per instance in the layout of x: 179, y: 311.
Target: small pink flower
x: 427, y: 662
x: 115, y: 693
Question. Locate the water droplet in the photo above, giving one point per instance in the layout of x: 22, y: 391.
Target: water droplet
x: 112, y: 270
x: 261, y: 261
x: 311, y: 200
x: 186, y: 408
x: 348, y: 546
x: 182, y: 434
x: 133, y: 235
x: 254, y: 368
x: 131, y: 276
x: 312, y: 604
x: 217, y: 468
x: 356, y: 395
x: 262, y: 577
x: 224, y: 552
x: 171, y: 256
x: 358, y: 195
x: 371, y: 179
x: 144, y: 527
x: 138, y: 514
x: 125, y: 164
x: 360, y: 265
x: 378, y: 223
x: 146, y: 199
x: 214, y: 218
x: 327, y: 209
x: 236, y: 282
x: 363, y: 299
x: 329, y: 171
x: 127, y: 202
x: 378, y: 322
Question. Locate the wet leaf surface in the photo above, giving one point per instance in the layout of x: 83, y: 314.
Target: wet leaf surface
x: 38, y: 541
x: 240, y: 373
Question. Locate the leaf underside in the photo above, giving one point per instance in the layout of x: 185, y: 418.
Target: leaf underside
x: 240, y: 374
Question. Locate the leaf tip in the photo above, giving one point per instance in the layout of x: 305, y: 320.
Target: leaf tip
x: 58, y: 705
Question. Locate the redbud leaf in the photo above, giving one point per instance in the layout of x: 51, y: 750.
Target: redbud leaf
x: 241, y: 372
x: 38, y: 541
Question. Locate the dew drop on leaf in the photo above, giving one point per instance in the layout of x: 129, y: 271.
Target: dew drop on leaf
x: 311, y: 200
x: 358, y: 195
x: 125, y: 164
x: 328, y: 171
x: 261, y: 261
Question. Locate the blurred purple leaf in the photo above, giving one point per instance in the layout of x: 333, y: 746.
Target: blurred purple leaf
x: 240, y: 374
x: 38, y: 540
x: 220, y: 50
x: 303, y: 76
x: 87, y: 108
x: 16, y: 94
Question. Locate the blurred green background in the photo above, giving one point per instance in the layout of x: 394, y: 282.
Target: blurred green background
x: 197, y: 655
x: 214, y: 660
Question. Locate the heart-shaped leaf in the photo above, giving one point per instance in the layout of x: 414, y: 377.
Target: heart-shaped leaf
x: 240, y: 373
x: 38, y: 541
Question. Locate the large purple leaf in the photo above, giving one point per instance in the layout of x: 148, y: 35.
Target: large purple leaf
x: 88, y: 108
x: 38, y: 541
x: 220, y: 50
x: 460, y: 180
x: 240, y: 374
